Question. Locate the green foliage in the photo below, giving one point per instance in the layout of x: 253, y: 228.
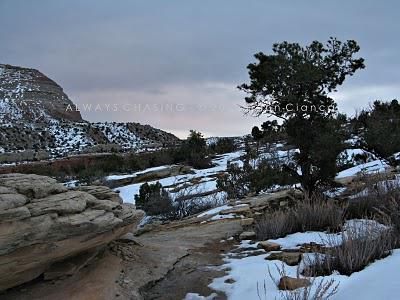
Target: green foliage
x: 238, y: 181
x: 154, y: 200
x: 380, y: 128
x: 194, y: 151
x: 320, y: 142
x: 234, y: 182
x: 223, y: 145
x: 294, y: 84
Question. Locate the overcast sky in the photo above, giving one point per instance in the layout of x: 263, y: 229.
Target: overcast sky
x: 175, y: 64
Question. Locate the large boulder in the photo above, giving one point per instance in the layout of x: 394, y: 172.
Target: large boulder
x: 42, y: 223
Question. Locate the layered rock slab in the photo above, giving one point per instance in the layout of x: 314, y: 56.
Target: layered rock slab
x: 42, y: 222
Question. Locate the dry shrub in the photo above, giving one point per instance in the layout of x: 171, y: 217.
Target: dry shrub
x: 316, y: 213
x: 360, y: 246
x: 379, y: 200
x: 275, y: 225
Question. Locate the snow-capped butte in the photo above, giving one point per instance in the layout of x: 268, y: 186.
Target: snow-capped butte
x: 36, y: 115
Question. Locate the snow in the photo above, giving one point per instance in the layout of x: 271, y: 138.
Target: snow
x: 195, y: 296
x: 378, y: 281
x: 222, y: 217
x: 120, y: 134
x: 380, y: 187
x: 71, y: 184
x: 397, y: 156
x: 352, y: 156
x: 214, y: 211
x: 375, y: 166
x: 206, y: 184
x: 118, y: 177
x: 293, y: 241
x: 335, y: 192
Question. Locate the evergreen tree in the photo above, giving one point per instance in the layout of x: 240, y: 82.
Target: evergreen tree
x: 294, y: 84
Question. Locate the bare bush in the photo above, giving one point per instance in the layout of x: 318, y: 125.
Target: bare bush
x: 192, y: 200
x: 317, y: 214
x: 314, y: 213
x: 379, y: 200
x: 275, y: 225
x: 357, y: 247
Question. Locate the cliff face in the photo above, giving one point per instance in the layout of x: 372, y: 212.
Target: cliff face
x: 27, y: 95
x: 36, y: 120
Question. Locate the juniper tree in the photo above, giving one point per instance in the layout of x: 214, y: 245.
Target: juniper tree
x: 294, y: 84
x: 379, y: 129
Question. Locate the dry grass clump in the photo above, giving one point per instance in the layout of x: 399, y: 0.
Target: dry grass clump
x: 275, y: 225
x: 379, y: 201
x: 316, y: 214
x: 358, y: 246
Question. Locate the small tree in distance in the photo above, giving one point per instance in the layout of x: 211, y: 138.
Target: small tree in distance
x: 379, y: 129
x: 154, y: 200
x: 194, y: 150
x: 293, y: 84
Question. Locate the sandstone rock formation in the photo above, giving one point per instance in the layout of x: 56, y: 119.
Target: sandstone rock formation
x: 43, y: 223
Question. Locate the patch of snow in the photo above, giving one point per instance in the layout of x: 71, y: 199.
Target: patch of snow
x: 293, y: 241
x: 195, y: 296
x: 118, y: 177
x: 214, y: 211
x: 206, y: 184
x: 335, y: 192
x: 222, y: 217
x: 71, y: 184
x: 120, y: 134
x: 375, y: 166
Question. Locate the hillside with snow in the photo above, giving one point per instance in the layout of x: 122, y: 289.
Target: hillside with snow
x: 38, y: 120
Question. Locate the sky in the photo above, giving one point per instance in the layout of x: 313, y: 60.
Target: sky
x: 176, y: 64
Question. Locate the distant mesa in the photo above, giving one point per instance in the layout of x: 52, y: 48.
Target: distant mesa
x: 36, y: 122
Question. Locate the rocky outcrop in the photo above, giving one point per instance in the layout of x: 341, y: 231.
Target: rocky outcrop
x: 43, y: 223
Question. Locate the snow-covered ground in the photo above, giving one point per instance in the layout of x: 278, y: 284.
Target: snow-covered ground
x: 207, y: 180
x: 375, y: 166
x: 207, y: 183
x: 377, y: 281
